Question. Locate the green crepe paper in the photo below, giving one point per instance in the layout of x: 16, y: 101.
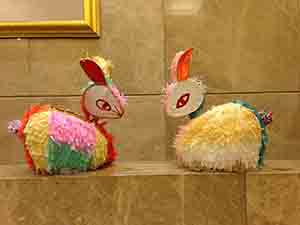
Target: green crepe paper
x: 264, y: 135
x: 108, y: 80
x: 61, y: 156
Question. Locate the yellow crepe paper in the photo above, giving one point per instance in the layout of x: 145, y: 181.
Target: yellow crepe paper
x: 100, y: 154
x: 36, y: 140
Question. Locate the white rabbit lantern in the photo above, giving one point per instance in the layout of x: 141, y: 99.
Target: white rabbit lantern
x: 228, y: 137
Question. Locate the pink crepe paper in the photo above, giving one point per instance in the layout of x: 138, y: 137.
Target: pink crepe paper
x: 67, y: 129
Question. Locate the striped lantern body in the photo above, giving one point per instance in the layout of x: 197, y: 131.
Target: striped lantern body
x: 56, y: 141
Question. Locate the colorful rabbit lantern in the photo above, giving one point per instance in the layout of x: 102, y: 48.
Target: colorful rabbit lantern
x: 58, y: 141
x: 228, y: 137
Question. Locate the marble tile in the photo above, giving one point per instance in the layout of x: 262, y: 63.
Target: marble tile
x: 151, y: 193
x: 14, y: 64
x: 139, y: 135
x: 119, y: 169
x: 54, y: 66
x: 108, y: 196
x: 282, y: 165
x: 132, y: 37
x: 51, y: 201
x: 151, y: 200
x: 213, y: 199
x: 273, y: 198
x: 9, y: 202
x: 240, y: 46
x: 284, y: 138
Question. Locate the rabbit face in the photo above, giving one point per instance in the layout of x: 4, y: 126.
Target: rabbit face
x: 102, y: 103
x: 101, y: 100
x: 183, y: 98
x: 184, y: 95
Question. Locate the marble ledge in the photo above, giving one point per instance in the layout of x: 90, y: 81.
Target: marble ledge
x: 146, y: 168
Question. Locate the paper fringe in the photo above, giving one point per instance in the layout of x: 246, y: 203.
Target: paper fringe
x: 215, y: 141
x: 61, y: 156
x: 264, y: 135
x: 14, y: 126
x: 21, y: 135
x: 36, y: 140
x: 67, y: 129
x: 104, y: 151
x: 100, y: 153
x: 111, y: 151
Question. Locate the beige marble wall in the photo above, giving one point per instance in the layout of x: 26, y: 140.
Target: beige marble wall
x: 132, y: 37
x: 242, y: 46
x: 248, y: 50
x: 48, y: 71
x: 273, y: 198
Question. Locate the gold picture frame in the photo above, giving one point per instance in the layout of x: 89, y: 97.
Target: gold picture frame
x: 88, y: 27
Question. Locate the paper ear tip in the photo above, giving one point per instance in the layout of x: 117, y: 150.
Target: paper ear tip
x: 82, y: 62
x: 189, y: 50
x: 93, y: 71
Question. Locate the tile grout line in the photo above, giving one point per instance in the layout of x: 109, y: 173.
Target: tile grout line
x: 165, y: 47
x: 244, y: 199
x: 29, y: 57
x: 164, y: 78
x: 183, y: 199
x: 71, y: 95
x: 149, y: 94
x: 253, y: 92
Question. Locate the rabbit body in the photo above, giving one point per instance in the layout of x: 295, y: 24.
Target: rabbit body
x: 227, y: 137
x: 58, y: 141
x: 55, y: 141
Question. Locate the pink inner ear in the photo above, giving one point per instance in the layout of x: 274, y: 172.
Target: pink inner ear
x: 93, y: 71
x: 180, y: 67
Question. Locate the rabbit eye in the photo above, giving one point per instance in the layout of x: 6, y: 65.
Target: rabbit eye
x: 103, y: 105
x: 183, y: 100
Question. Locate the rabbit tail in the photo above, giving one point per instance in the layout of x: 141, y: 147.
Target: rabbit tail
x: 14, y: 126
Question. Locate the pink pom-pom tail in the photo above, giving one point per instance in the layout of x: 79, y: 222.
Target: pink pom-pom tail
x: 14, y: 126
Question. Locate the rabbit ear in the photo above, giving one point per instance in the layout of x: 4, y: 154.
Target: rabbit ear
x: 93, y: 71
x: 180, y: 66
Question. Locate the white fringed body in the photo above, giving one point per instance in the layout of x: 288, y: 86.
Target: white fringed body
x: 227, y: 137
